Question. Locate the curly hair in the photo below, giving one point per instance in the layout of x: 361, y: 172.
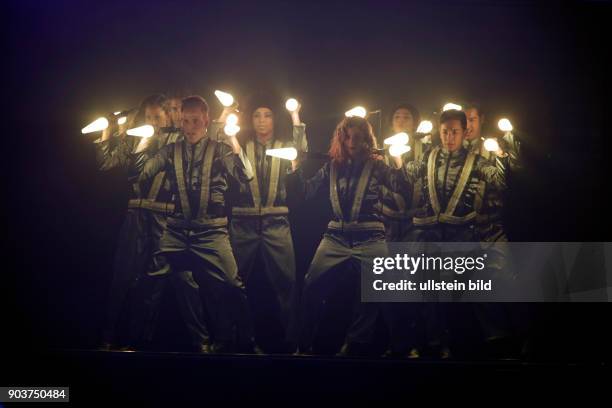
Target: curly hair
x: 337, y: 151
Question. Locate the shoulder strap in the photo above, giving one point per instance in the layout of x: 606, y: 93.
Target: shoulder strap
x: 461, y: 183
x: 399, y: 200
x: 333, y: 190
x: 156, y: 186
x: 431, y: 180
x: 364, y: 179
x: 209, y: 156
x: 180, y: 180
x: 254, y: 183
x: 275, y: 170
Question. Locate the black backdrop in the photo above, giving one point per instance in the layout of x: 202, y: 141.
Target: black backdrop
x: 541, y: 64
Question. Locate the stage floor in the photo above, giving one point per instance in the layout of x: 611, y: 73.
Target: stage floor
x: 179, y: 377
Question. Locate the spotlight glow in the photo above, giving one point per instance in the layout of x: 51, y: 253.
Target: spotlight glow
x: 122, y: 120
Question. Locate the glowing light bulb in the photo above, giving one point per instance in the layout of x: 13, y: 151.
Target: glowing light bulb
x: 95, y: 126
x: 122, y: 120
x: 397, y: 139
x: 116, y: 113
x: 425, y: 127
x: 356, y: 111
x: 450, y: 106
x: 231, y: 129
x: 291, y: 104
x: 232, y: 119
x: 504, y: 125
x: 225, y: 98
x: 397, y: 150
x: 287, y: 153
x: 142, y: 131
x: 491, y: 145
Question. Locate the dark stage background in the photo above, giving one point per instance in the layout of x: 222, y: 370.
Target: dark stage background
x: 543, y: 65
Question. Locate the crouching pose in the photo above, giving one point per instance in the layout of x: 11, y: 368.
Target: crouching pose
x: 450, y: 177
x: 195, y: 237
x: 353, y: 180
x: 142, y: 227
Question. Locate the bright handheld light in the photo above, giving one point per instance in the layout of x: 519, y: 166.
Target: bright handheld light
x: 425, y: 127
x: 491, y: 145
x: 287, y: 153
x: 225, y: 98
x: 142, y: 131
x: 291, y: 104
x: 356, y: 111
x: 122, y: 120
x: 95, y: 126
x: 397, y: 150
x: 231, y: 129
x: 232, y: 119
x: 397, y: 139
x: 504, y: 125
x: 450, y: 106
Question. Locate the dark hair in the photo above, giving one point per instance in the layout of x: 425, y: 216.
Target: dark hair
x: 194, y: 102
x: 261, y: 99
x: 337, y: 152
x: 155, y: 100
x: 474, y: 105
x: 151, y: 101
x: 416, y: 116
x: 453, y: 114
x: 272, y: 102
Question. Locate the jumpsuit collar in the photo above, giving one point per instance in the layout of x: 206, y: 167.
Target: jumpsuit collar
x: 454, y: 155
